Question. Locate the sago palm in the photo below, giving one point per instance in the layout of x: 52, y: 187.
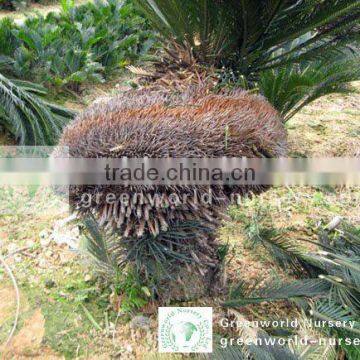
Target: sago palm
x: 293, y: 86
x: 250, y: 34
x: 162, y: 239
x: 261, y: 40
x: 28, y: 117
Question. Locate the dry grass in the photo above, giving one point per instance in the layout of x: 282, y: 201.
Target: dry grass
x: 329, y: 127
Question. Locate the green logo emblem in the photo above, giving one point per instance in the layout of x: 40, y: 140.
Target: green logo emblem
x: 185, y: 329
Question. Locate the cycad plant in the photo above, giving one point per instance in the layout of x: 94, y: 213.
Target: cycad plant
x: 27, y: 116
x: 251, y: 37
x: 254, y: 35
x: 330, y: 286
x: 162, y: 238
x: 79, y: 45
x: 293, y: 86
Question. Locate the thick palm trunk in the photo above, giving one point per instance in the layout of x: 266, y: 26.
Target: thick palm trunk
x: 203, y: 277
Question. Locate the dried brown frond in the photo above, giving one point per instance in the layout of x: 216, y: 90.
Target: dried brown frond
x: 160, y: 124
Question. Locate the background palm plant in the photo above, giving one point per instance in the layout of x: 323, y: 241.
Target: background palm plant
x: 29, y: 118
x: 263, y: 41
x: 79, y: 45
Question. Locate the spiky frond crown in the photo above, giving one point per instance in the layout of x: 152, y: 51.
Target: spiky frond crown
x: 248, y: 34
x: 157, y: 124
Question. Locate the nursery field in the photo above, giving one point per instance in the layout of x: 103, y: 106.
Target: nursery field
x: 287, y: 253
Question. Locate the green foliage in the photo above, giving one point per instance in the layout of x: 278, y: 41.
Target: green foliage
x: 80, y: 45
x: 250, y: 33
x: 26, y: 116
x: 8, y: 42
x: 273, y: 292
x: 334, y: 295
x: 265, y: 44
x: 336, y: 265
x: 151, y: 255
x: 294, y: 86
x: 146, y: 262
x: 287, y: 253
x: 103, y: 248
x: 99, y: 245
x: 67, y: 4
x: 133, y: 294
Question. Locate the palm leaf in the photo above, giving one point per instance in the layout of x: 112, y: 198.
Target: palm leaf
x: 247, y: 33
x: 331, y: 311
x: 282, y: 46
x: 292, y: 87
x: 99, y: 245
x: 27, y: 117
x: 286, y: 252
x: 274, y: 291
x: 315, y: 350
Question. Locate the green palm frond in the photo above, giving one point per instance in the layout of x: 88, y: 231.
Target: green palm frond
x: 345, y: 239
x: 27, y: 117
x: 249, y: 33
x: 337, y: 269
x: 282, y: 47
x: 286, y: 252
x: 5, y: 62
x: 152, y: 256
x: 315, y: 350
x: 331, y: 311
x: 99, y: 245
x: 342, y: 265
x: 284, y: 291
x: 195, y: 26
x: 344, y: 292
x: 292, y: 87
x: 332, y: 296
x: 171, y: 248
x: 328, y: 311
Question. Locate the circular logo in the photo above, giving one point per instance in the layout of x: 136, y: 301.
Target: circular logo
x: 185, y: 329
x: 184, y: 334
